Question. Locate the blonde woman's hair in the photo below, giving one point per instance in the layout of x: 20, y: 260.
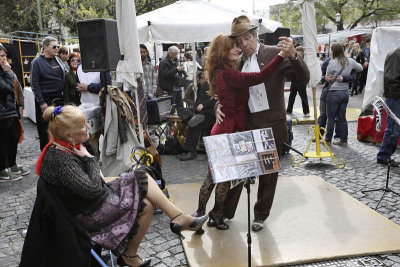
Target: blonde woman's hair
x: 69, y: 117
x: 356, y: 48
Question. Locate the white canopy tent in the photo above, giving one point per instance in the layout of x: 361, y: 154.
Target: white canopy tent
x: 189, y: 21
x: 340, y: 36
x: 384, y: 40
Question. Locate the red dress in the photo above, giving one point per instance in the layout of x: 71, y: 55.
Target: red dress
x: 232, y: 89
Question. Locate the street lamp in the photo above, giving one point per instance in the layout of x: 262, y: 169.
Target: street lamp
x: 338, y: 17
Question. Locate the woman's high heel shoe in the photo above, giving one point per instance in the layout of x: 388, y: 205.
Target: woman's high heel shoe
x: 121, y: 261
x: 194, y: 226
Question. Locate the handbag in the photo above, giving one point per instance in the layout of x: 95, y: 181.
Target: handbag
x: 180, y: 79
x: 325, y: 90
x: 172, y: 146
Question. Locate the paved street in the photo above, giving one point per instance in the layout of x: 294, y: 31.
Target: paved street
x: 161, y: 245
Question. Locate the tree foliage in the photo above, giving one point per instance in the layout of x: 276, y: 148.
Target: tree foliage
x: 353, y: 12
x: 22, y: 15
x: 289, y: 15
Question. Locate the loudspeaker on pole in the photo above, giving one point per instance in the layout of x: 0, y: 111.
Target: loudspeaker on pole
x: 99, y: 46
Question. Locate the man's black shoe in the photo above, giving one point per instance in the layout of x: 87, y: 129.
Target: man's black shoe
x: 196, y: 120
x: 393, y: 163
x: 188, y: 156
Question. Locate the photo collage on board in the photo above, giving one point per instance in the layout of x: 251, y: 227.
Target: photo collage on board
x: 241, y: 155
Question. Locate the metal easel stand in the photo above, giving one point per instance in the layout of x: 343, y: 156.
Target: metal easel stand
x: 386, y: 188
x: 247, y: 186
x: 318, y: 137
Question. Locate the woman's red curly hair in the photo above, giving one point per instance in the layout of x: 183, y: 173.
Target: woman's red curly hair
x: 218, y: 59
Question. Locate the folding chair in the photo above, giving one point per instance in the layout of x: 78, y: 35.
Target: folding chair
x: 99, y: 259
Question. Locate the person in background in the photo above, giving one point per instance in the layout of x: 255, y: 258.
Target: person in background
x: 391, y: 90
x: 367, y: 49
x: 349, y: 49
x: 364, y: 74
x: 295, y: 88
x: 198, y: 56
x: 167, y: 72
x: 200, y: 117
x: 188, y: 67
x: 322, y: 100
x: 149, y: 75
x: 359, y: 56
x: 89, y: 84
x: 63, y: 55
x: 20, y: 104
x: 8, y: 114
x: 71, y: 94
x: 338, y: 95
x: 47, y: 80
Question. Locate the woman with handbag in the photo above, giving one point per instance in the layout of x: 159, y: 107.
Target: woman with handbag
x: 338, y: 96
x: 8, y: 115
x: 231, y: 87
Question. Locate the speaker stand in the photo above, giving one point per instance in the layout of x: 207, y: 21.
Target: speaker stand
x: 103, y: 76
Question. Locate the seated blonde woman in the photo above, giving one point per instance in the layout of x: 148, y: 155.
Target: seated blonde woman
x: 116, y: 214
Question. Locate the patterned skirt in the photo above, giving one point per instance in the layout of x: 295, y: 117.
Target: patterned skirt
x: 115, y: 222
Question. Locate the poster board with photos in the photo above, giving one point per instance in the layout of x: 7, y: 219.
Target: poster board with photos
x: 241, y: 155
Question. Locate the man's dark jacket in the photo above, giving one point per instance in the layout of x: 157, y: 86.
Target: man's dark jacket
x: 54, y: 237
x: 391, y: 75
x: 206, y: 100
x: 8, y: 108
x: 45, y: 80
x: 166, y: 74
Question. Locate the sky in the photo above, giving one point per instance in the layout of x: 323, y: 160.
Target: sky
x: 246, y: 5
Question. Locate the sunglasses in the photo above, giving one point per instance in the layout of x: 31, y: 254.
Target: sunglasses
x: 75, y: 60
x: 54, y: 47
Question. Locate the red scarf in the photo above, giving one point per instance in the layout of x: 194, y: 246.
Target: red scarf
x: 60, y: 142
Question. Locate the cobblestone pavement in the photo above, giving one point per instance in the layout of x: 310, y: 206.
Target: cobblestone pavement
x: 161, y: 245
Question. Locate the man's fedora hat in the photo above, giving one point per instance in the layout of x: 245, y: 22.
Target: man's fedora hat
x: 241, y: 25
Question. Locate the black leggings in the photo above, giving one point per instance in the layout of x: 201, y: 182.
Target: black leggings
x: 220, y: 194
x: 8, y: 143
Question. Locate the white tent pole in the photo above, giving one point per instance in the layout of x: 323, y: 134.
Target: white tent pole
x: 141, y: 136
x: 194, y: 66
x: 155, y: 53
